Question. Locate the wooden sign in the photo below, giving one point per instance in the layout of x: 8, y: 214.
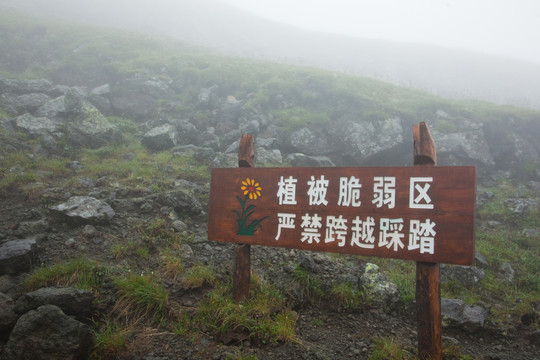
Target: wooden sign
x: 414, y: 213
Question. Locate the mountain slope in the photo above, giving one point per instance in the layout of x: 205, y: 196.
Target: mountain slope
x: 442, y: 71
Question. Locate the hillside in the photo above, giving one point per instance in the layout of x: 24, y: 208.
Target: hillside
x: 447, y: 72
x: 106, y: 141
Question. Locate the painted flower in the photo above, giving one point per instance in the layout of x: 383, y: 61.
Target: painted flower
x: 252, y: 188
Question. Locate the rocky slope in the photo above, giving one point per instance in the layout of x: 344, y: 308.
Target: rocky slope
x: 109, y: 179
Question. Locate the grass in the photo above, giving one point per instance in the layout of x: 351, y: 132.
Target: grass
x: 81, y: 273
x: 389, y: 349
x: 264, y: 317
x: 140, y: 297
x: 110, y: 338
x: 346, y: 297
x: 197, y: 276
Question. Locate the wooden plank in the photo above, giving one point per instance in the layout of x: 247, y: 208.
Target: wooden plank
x: 242, y: 274
x: 428, y: 291
x: 451, y: 191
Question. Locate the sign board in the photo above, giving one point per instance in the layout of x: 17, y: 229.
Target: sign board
x: 421, y: 213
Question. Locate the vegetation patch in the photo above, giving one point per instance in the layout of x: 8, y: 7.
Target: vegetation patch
x: 140, y: 297
x: 263, y: 318
x: 80, y: 273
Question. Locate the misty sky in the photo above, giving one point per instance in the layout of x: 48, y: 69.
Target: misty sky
x: 502, y: 27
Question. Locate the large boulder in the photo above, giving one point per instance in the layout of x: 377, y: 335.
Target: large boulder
x: 76, y: 302
x: 456, y: 313
x: 160, y: 138
x: 303, y: 160
x: 138, y: 97
x: 179, y: 200
x: 18, y: 86
x: 53, y: 109
x: 37, y: 126
x: 379, y: 290
x: 17, y: 256
x: 84, y: 209
x: 8, y: 317
x: 24, y: 103
x: 307, y: 142
x: 86, y: 125
x: 466, y: 147
x: 361, y: 140
x: 48, y: 333
x: 468, y: 276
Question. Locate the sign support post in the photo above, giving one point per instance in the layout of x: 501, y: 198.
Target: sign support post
x: 428, y: 290
x: 246, y: 156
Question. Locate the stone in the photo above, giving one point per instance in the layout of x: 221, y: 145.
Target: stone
x: 466, y: 147
x: 378, y: 289
x: 18, y: 256
x: 468, y: 276
x: 521, y: 205
x: 468, y: 317
x: 24, y: 103
x: 36, y: 126
x: 361, y: 140
x: 48, y: 334
x: 305, y: 141
x: 187, y: 132
x: 86, y: 125
x: 160, y: 138
x: 18, y: 86
x: 302, y: 160
x: 264, y: 156
x: 179, y: 200
x: 53, y: 109
x: 8, y: 317
x: 85, y: 209
x: 507, y: 272
x: 480, y: 260
x: 76, y: 302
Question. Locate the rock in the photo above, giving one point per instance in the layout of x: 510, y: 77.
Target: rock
x: 99, y: 97
x: 207, y: 98
x: 483, y: 196
x: 456, y: 313
x: 187, y: 132
x: 466, y: 147
x: 480, y: 260
x: 179, y: 225
x: 362, y: 140
x: 84, y: 209
x: 160, y: 138
x: 72, y: 301
x: 37, y: 126
x: 468, y: 276
x: 18, y: 256
x: 263, y: 156
x: 8, y: 317
x: 18, y: 104
x: 200, y: 154
x: 17, y: 86
x: 305, y: 141
x: 86, y: 125
x: 521, y: 205
x: 53, y: 109
x: 47, y: 333
x: 507, y: 272
x: 138, y: 96
x: 179, y: 200
x: 378, y: 289
x: 302, y: 160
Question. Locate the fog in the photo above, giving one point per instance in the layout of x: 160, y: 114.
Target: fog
x: 482, y: 49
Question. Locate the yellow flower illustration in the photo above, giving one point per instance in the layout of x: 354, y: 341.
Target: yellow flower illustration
x: 252, y: 188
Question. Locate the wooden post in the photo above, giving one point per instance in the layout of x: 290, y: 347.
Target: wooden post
x: 428, y: 290
x: 246, y: 158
